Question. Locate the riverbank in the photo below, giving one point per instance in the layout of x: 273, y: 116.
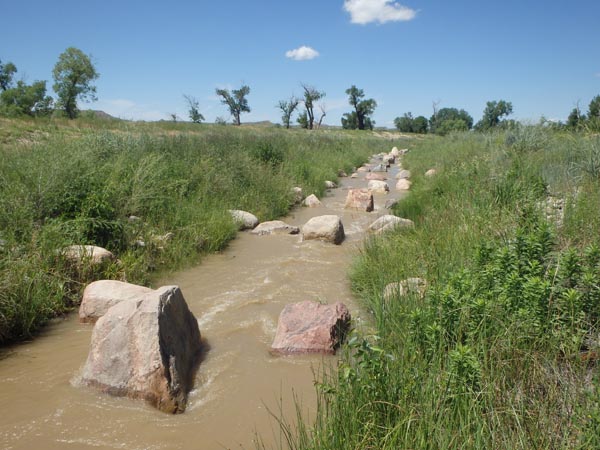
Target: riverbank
x: 156, y: 195
x: 501, y: 350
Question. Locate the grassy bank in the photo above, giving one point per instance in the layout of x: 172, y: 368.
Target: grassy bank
x: 501, y: 351
x: 80, y: 182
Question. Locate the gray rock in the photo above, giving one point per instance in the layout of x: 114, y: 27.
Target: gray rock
x: 275, y: 227
x: 310, y: 327
x: 389, y: 222
x: 403, y: 174
x: 100, y: 296
x: 244, y: 219
x: 403, y: 184
x: 298, y: 194
x: 378, y: 187
x: 327, y: 228
x: 330, y: 185
x: 87, y: 253
x: 379, y: 168
x: 147, y: 349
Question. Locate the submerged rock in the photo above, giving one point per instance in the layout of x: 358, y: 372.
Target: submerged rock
x: 379, y: 168
x: 100, y: 296
x: 376, y: 176
x: 147, y: 349
x: 379, y: 187
x: 244, y: 219
x: 275, y: 227
x: 312, y: 201
x: 328, y: 228
x: 310, y: 327
x: 361, y: 199
x: 389, y: 222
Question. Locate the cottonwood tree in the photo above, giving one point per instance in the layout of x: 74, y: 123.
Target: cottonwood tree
x: 287, y: 108
x: 26, y: 99
x: 493, y: 113
x: 193, y: 109
x: 458, y: 120
x: 311, y: 95
x: 73, y: 77
x: 363, y: 108
x: 236, y: 101
x: 7, y: 71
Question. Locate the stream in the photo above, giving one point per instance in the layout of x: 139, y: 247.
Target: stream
x: 236, y: 296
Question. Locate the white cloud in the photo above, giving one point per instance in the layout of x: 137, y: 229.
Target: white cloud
x: 382, y: 11
x: 303, y: 53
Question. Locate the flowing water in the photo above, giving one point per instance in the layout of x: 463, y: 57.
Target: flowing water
x: 237, y: 296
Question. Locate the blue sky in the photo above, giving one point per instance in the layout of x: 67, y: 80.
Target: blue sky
x: 543, y: 56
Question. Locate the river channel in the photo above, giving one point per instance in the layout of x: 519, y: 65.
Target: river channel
x: 237, y: 296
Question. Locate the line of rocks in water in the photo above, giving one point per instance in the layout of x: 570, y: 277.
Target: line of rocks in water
x: 146, y: 343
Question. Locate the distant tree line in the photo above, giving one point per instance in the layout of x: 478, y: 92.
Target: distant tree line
x: 73, y: 76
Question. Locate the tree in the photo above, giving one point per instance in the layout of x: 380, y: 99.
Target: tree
x: 287, y: 108
x: 420, y: 124
x: 193, y: 111
x: 73, y: 77
x: 363, y: 108
x: 404, y: 124
x: 311, y: 95
x: 303, y: 120
x: 439, y: 117
x: 236, y: 101
x: 7, y: 72
x: 24, y: 99
x: 594, y: 108
x: 575, y: 119
x: 492, y: 114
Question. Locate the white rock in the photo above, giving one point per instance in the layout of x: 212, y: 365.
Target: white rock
x: 430, y: 173
x: 100, y: 296
x: 80, y: 253
x: 403, y: 184
x: 330, y: 184
x: 409, y: 286
x: 389, y: 222
x: 403, y: 174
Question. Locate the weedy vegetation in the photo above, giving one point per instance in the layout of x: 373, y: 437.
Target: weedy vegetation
x: 502, y: 349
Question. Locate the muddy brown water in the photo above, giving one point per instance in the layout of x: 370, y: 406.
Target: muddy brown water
x: 237, y: 296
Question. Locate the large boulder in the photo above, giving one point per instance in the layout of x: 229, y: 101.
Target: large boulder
x: 403, y: 184
x: 378, y: 187
x: 87, y: 253
x: 310, y: 327
x: 312, y: 201
x: 275, y: 227
x: 361, y: 199
x: 100, y: 296
x: 244, y: 219
x: 376, y: 176
x: 148, y: 349
x: 389, y: 222
x: 327, y: 228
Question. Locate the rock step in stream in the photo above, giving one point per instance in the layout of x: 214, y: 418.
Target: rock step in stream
x: 237, y: 297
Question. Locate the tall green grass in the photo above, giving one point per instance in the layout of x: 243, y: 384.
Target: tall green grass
x: 501, y: 351
x: 156, y: 195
